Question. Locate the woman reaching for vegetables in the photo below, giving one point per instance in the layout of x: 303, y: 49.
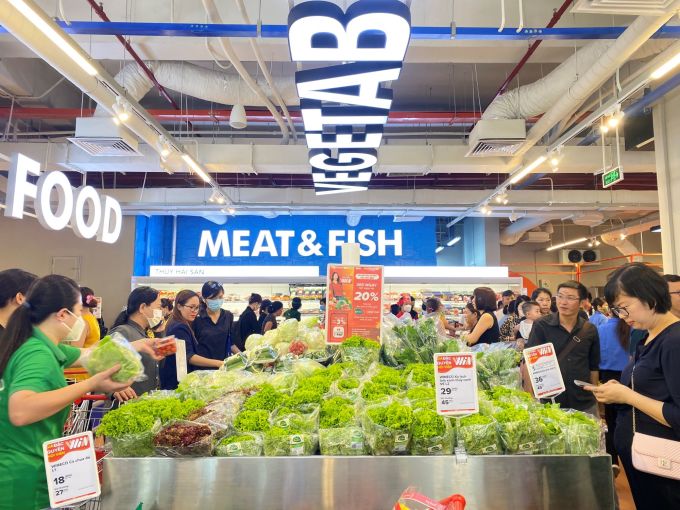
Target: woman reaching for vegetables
x: 34, y: 397
x: 187, y: 305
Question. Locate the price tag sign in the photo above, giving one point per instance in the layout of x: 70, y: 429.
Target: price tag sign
x: 455, y: 376
x: 71, y: 467
x: 544, y: 370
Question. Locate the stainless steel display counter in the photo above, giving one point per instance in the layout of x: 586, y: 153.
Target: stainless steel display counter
x: 352, y: 483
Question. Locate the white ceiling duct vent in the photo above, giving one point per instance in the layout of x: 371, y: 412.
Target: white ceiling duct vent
x: 536, y: 237
x: 629, y: 7
x: 589, y: 219
x: 99, y: 136
x: 497, y: 137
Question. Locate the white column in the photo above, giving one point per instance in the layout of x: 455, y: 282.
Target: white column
x: 667, y: 143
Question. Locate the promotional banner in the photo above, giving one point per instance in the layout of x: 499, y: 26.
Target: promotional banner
x: 353, y: 302
x: 301, y: 241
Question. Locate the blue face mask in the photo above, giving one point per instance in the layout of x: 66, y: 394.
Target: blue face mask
x: 215, y: 304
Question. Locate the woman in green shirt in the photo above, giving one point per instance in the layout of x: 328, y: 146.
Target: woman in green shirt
x: 34, y: 397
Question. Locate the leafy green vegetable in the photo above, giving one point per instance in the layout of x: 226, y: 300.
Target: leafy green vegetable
x: 418, y: 374
x: 240, y: 445
x: 387, y: 428
x: 389, y: 377
x: 295, y: 419
x: 305, y: 396
x: 342, y: 441
x: 583, y: 434
x: 498, y: 368
x: 413, y: 343
x: 372, y: 392
x: 140, y: 415
x: 252, y: 421
x: 109, y: 352
x: 280, y: 442
x: 478, y: 435
x: 360, y: 350
x: 420, y: 393
x: 431, y: 434
x: 518, y: 431
x: 350, y: 383
x: 336, y: 412
x: 267, y: 398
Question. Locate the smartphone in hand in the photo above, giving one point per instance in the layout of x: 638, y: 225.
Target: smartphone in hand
x: 581, y: 384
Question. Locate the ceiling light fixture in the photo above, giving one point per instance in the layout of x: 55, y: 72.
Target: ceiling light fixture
x: 622, y: 236
x: 122, y: 109
x: 57, y: 39
x: 664, y: 69
x: 453, y: 241
x: 604, y: 129
x: 567, y: 243
x: 196, y: 167
x: 485, y: 209
x: 164, y: 147
x: 228, y: 210
x: 518, y: 176
x: 439, y: 249
x: 237, y: 117
x: 217, y: 197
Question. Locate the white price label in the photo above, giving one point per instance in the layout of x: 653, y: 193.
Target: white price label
x: 71, y: 467
x: 455, y: 376
x: 544, y: 370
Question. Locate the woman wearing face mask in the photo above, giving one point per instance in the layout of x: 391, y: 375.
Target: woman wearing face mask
x: 34, y: 398
x: 140, y: 316
x: 14, y: 284
x: 213, y: 325
x: 187, y: 306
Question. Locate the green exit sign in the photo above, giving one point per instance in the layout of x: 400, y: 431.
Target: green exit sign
x: 611, y: 177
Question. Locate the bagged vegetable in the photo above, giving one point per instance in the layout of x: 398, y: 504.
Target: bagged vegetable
x: 478, y: 435
x: 279, y: 442
x: 584, y: 434
x: 551, y: 422
x: 343, y: 441
x: 288, y: 330
x: 219, y: 415
x: 387, y: 428
x: 431, y: 434
x: 184, y: 439
x: 419, y: 374
x: 112, y: 350
x: 362, y: 351
x: 411, y: 343
x: 267, y: 398
x: 253, y: 341
x: 519, y: 431
x: 252, y: 421
x: 285, y: 382
x: 287, y: 418
x: 240, y: 445
x: 135, y: 445
x: 498, y: 367
x: 347, y: 388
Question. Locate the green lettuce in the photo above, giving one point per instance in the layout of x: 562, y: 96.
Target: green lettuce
x: 109, y: 352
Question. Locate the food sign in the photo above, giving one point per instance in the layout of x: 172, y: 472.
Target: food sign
x: 544, y: 370
x: 455, y: 376
x: 353, y: 302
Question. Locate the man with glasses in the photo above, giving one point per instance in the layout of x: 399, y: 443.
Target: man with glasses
x: 673, y: 281
x: 577, y: 345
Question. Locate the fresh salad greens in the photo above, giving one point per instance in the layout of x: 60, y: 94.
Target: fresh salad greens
x: 112, y: 351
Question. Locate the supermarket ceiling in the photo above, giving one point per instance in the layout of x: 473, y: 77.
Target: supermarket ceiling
x: 202, y: 93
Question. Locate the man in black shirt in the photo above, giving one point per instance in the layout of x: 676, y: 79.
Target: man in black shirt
x: 577, y: 346
x: 247, y: 322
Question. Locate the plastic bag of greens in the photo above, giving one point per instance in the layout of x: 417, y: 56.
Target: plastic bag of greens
x: 134, y: 445
x: 184, y: 439
x: 240, y: 445
x: 219, y: 415
x: 112, y: 350
x: 343, y: 441
x: 518, y: 431
x: 292, y: 419
x: 387, y: 428
x: 280, y: 442
x: 362, y: 351
x: 420, y: 397
x: 285, y: 382
x: 497, y: 365
x: 431, y: 434
x: 347, y: 388
x: 411, y: 343
x: 478, y: 435
x: 419, y: 374
x: 584, y: 434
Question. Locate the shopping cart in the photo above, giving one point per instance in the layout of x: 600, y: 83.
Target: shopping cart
x: 86, y: 413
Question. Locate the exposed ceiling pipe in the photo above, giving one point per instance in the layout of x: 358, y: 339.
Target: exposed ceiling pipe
x: 199, y: 82
x: 639, y: 31
x: 99, y: 9
x: 557, y: 15
x: 214, y: 17
x: 511, y: 234
x: 265, y: 70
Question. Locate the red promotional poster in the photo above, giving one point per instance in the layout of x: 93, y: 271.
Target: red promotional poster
x: 354, y: 302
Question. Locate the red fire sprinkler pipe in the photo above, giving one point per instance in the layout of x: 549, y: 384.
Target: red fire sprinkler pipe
x: 99, y: 9
x: 553, y: 21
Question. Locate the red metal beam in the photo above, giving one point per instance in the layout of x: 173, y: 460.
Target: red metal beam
x: 222, y: 115
x: 99, y: 9
x: 553, y: 21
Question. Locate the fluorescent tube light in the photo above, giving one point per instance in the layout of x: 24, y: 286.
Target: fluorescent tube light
x: 195, y: 167
x: 439, y: 249
x: 44, y: 27
x: 568, y: 243
x: 453, y: 241
x: 527, y: 170
x: 666, y: 68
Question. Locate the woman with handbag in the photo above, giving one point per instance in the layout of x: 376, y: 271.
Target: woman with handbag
x: 647, y: 435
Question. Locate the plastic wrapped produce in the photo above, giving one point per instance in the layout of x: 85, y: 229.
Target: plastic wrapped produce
x: 135, y: 445
x: 419, y: 374
x: 267, y: 398
x: 519, y: 431
x: 287, y: 418
x: 478, y: 435
x: 411, y: 343
x: 113, y: 350
x: 280, y: 442
x: 347, y: 388
x: 387, y: 428
x: 498, y: 367
x: 288, y: 330
x: 584, y: 434
x: 551, y: 422
x: 219, y: 415
x: 343, y: 441
x: 240, y: 445
x: 431, y: 434
x: 184, y: 439
x: 252, y: 421
x: 362, y: 351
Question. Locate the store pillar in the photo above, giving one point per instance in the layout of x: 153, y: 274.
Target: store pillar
x: 482, y: 243
x: 666, y: 136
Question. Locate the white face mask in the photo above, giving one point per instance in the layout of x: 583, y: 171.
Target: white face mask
x: 75, y: 331
x: 525, y: 329
x: 156, y: 319
x: 407, y: 308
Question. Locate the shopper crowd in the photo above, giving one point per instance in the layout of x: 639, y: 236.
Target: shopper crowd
x: 624, y: 345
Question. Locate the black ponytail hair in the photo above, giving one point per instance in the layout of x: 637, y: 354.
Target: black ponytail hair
x: 45, y: 296
x: 13, y: 282
x: 89, y: 300
x: 275, y: 306
x: 138, y: 297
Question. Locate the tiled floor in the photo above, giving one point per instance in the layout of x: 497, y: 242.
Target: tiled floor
x: 623, y: 490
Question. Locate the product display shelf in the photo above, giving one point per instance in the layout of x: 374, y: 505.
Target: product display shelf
x: 273, y: 483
